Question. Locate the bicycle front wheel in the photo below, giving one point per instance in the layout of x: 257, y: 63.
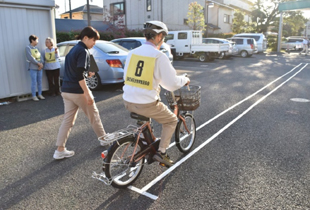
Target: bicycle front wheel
x: 185, y: 133
x: 118, y: 167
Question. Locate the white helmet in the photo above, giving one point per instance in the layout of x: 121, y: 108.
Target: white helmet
x: 155, y: 26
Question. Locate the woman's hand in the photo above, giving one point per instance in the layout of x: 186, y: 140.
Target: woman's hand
x: 90, y: 74
x: 89, y: 98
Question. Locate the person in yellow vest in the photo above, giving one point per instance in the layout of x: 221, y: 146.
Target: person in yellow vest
x: 51, y: 66
x: 145, y: 71
x: 35, y: 66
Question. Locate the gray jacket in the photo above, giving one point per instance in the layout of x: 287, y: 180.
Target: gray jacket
x: 33, y: 57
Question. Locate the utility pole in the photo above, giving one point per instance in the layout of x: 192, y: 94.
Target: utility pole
x: 88, y: 13
x: 70, y: 9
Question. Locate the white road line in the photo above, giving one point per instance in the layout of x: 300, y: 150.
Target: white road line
x: 240, y: 102
x: 165, y: 173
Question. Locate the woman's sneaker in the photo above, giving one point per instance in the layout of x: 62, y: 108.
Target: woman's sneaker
x: 63, y: 154
x: 163, y: 158
x: 41, y: 97
x: 35, y: 98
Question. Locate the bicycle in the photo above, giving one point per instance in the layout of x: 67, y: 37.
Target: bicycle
x: 134, y: 146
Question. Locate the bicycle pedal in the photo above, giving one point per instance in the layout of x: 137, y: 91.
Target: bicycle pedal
x: 162, y: 164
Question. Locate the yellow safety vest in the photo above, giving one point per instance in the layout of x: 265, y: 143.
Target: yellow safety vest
x: 50, y: 57
x: 140, y: 72
x: 36, y: 54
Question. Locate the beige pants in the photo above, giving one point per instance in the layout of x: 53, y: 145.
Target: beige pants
x: 305, y: 49
x: 160, y: 113
x: 72, y: 104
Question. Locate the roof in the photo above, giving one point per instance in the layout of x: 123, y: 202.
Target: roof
x: 92, y: 8
x: 67, y: 25
x: 210, y: 25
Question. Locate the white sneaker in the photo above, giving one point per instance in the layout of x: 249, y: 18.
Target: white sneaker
x: 63, y: 154
x: 41, y: 97
x: 35, y: 98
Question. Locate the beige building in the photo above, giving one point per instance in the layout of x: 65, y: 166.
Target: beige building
x: 218, y: 13
x: 80, y: 13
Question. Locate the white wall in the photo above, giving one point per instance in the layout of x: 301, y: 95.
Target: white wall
x: 17, y: 23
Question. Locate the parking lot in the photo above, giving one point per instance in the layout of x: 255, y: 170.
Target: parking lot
x: 251, y: 150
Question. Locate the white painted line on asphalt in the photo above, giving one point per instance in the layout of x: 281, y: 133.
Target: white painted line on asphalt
x: 240, y: 102
x: 154, y: 197
x: 165, y: 173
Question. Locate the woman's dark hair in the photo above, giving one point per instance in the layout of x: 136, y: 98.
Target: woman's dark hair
x: 32, y: 37
x: 90, y: 32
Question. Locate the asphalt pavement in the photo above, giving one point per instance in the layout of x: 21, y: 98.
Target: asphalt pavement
x: 251, y: 150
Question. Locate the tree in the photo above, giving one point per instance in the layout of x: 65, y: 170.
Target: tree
x: 239, y: 25
x: 295, y: 21
x: 195, y: 15
x: 264, y: 14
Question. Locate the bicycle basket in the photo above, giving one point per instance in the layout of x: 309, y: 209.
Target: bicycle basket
x: 188, y: 100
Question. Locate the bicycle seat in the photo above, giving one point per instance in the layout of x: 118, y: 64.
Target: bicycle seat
x: 139, y: 117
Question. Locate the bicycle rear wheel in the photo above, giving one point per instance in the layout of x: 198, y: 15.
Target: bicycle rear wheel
x: 184, y: 140
x: 117, y: 164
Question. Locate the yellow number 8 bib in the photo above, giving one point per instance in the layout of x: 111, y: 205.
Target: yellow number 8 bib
x: 140, y: 72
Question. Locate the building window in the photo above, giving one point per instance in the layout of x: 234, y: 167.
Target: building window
x: 117, y: 8
x: 148, y: 5
x: 185, y: 21
x: 226, y: 18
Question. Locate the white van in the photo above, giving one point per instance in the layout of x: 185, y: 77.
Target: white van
x: 259, y: 38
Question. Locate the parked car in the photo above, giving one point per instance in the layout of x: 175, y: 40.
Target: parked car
x: 292, y: 43
x: 259, y: 38
x: 134, y: 42
x: 233, y: 50
x: 109, y: 57
x: 246, y: 46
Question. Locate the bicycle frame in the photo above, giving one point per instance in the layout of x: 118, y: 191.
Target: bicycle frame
x: 149, y: 136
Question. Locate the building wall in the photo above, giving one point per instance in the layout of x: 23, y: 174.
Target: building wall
x: 173, y: 12
x: 82, y: 16
x: 17, y: 22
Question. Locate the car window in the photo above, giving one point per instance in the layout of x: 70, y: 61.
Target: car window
x: 117, y: 42
x: 182, y: 35
x: 130, y: 44
x: 111, y: 48
x: 250, y: 41
x: 168, y: 37
x: 239, y: 41
x: 251, y: 36
x: 62, y: 50
x: 206, y: 41
x: 69, y: 48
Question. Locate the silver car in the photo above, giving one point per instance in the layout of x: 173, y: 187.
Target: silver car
x: 246, y: 46
x: 292, y: 43
x: 134, y: 42
x: 109, y: 57
x: 233, y: 50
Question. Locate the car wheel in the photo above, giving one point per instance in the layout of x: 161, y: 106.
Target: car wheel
x: 244, y: 54
x: 202, y: 57
x: 94, y: 82
x: 222, y: 55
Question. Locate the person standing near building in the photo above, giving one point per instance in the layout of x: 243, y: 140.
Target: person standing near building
x: 35, y: 66
x: 51, y: 66
x: 305, y: 46
x: 75, y: 92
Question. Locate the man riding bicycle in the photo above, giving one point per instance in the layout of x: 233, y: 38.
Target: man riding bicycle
x: 145, y: 71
